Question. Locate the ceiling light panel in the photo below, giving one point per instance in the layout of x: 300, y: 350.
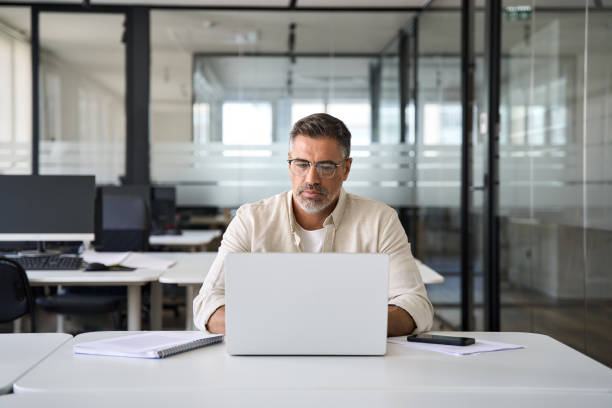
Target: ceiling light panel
x: 44, y: 1
x: 362, y: 3
x: 197, y: 3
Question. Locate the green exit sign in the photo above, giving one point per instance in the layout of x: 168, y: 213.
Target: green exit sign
x: 518, y: 13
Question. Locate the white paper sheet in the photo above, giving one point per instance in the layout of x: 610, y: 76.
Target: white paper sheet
x: 142, y: 261
x: 106, y: 258
x: 481, y: 346
x: 129, y: 259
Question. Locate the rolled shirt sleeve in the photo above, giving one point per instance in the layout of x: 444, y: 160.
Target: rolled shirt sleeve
x: 212, y: 293
x: 406, y: 288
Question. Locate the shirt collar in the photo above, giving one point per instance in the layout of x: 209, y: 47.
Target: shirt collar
x: 336, y: 216
x: 292, y: 221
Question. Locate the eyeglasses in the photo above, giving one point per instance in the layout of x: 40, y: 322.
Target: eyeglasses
x: 325, y: 169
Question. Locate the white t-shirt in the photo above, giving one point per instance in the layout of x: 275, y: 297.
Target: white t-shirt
x: 312, y: 241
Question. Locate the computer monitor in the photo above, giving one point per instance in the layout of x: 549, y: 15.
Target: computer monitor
x: 123, y: 218
x: 47, y: 208
x: 163, y: 208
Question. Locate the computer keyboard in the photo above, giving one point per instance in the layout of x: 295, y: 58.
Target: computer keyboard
x: 50, y: 262
x: 167, y: 232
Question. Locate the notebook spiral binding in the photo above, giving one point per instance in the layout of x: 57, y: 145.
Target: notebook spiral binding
x: 188, y: 346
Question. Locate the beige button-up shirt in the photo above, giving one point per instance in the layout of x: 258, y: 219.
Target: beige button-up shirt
x: 357, y: 224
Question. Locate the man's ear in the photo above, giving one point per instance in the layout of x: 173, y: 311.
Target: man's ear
x: 347, y: 168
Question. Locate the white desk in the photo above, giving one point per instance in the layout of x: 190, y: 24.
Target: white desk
x: 196, y: 239
x: 191, y: 268
x: 20, y: 352
x: 327, y: 398
x: 189, y: 271
x: 133, y: 280
x: 545, y: 366
x: 428, y: 275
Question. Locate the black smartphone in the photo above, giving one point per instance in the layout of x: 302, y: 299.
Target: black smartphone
x: 438, y: 339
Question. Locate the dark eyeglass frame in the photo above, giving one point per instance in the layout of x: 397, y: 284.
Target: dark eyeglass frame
x: 318, y: 166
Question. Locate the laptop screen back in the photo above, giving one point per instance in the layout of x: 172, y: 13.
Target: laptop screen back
x: 306, y: 304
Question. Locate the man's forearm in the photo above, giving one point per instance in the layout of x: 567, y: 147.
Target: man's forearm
x: 399, y: 322
x: 216, y: 322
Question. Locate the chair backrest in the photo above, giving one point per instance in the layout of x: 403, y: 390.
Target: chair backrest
x: 125, y: 224
x: 16, y: 297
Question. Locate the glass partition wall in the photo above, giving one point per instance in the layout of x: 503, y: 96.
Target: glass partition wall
x: 556, y: 177
x: 82, y: 95
x: 16, y: 95
x: 252, y: 76
x: 438, y: 145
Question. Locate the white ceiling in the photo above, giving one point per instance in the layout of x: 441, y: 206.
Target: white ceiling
x: 361, y: 3
x: 201, y: 3
x: 226, y: 31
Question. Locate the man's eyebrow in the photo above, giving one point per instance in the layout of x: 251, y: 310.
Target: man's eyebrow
x: 319, y: 162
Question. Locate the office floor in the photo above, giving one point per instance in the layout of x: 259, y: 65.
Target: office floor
x: 586, y: 327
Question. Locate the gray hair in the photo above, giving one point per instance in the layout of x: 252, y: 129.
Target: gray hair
x: 320, y: 125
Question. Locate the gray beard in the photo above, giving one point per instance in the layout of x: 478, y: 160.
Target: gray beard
x: 312, y: 206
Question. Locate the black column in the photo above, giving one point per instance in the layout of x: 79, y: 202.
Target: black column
x: 35, y: 48
x: 137, y: 48
x: 403, y: 82
x: 375, y: 78
x: 414, y: 49
x: 467, y: 104
x: 414, y: 53
x: 491, y: 179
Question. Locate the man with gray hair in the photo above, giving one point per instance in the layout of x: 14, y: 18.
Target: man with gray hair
x: 317, y: 215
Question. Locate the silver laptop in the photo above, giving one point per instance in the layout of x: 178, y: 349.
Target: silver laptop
x: 306, y: 303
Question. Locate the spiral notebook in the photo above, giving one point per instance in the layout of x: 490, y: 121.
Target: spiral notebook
x: 155, y: 344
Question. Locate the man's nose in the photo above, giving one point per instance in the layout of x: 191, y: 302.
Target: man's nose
x: 312, y: 176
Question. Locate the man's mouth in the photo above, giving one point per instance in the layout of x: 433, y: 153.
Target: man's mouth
x: 311, y: 194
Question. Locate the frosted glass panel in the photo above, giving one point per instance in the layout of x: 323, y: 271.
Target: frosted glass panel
x: 16, y: 95
x: 82, y: 95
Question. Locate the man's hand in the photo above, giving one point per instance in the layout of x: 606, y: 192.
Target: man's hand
x: 216, y: 323
x: 399, y: 322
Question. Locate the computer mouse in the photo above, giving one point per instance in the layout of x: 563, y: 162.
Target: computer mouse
x: 96, y: 266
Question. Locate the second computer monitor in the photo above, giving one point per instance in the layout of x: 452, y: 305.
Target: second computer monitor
x: 47, y: 208
x: 123, y: 218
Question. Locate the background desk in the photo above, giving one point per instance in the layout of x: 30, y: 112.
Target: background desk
x: 133, y: 280
x: 196, y: 240
x: 20, y: 352
x: 191, y: 269
x: 545, y: 366
x: 428, y: 275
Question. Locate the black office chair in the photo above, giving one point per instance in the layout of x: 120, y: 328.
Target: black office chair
x: 16, y: 298
x: 123, y: 219
x: 123, y: 224
x: 86, y: 300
